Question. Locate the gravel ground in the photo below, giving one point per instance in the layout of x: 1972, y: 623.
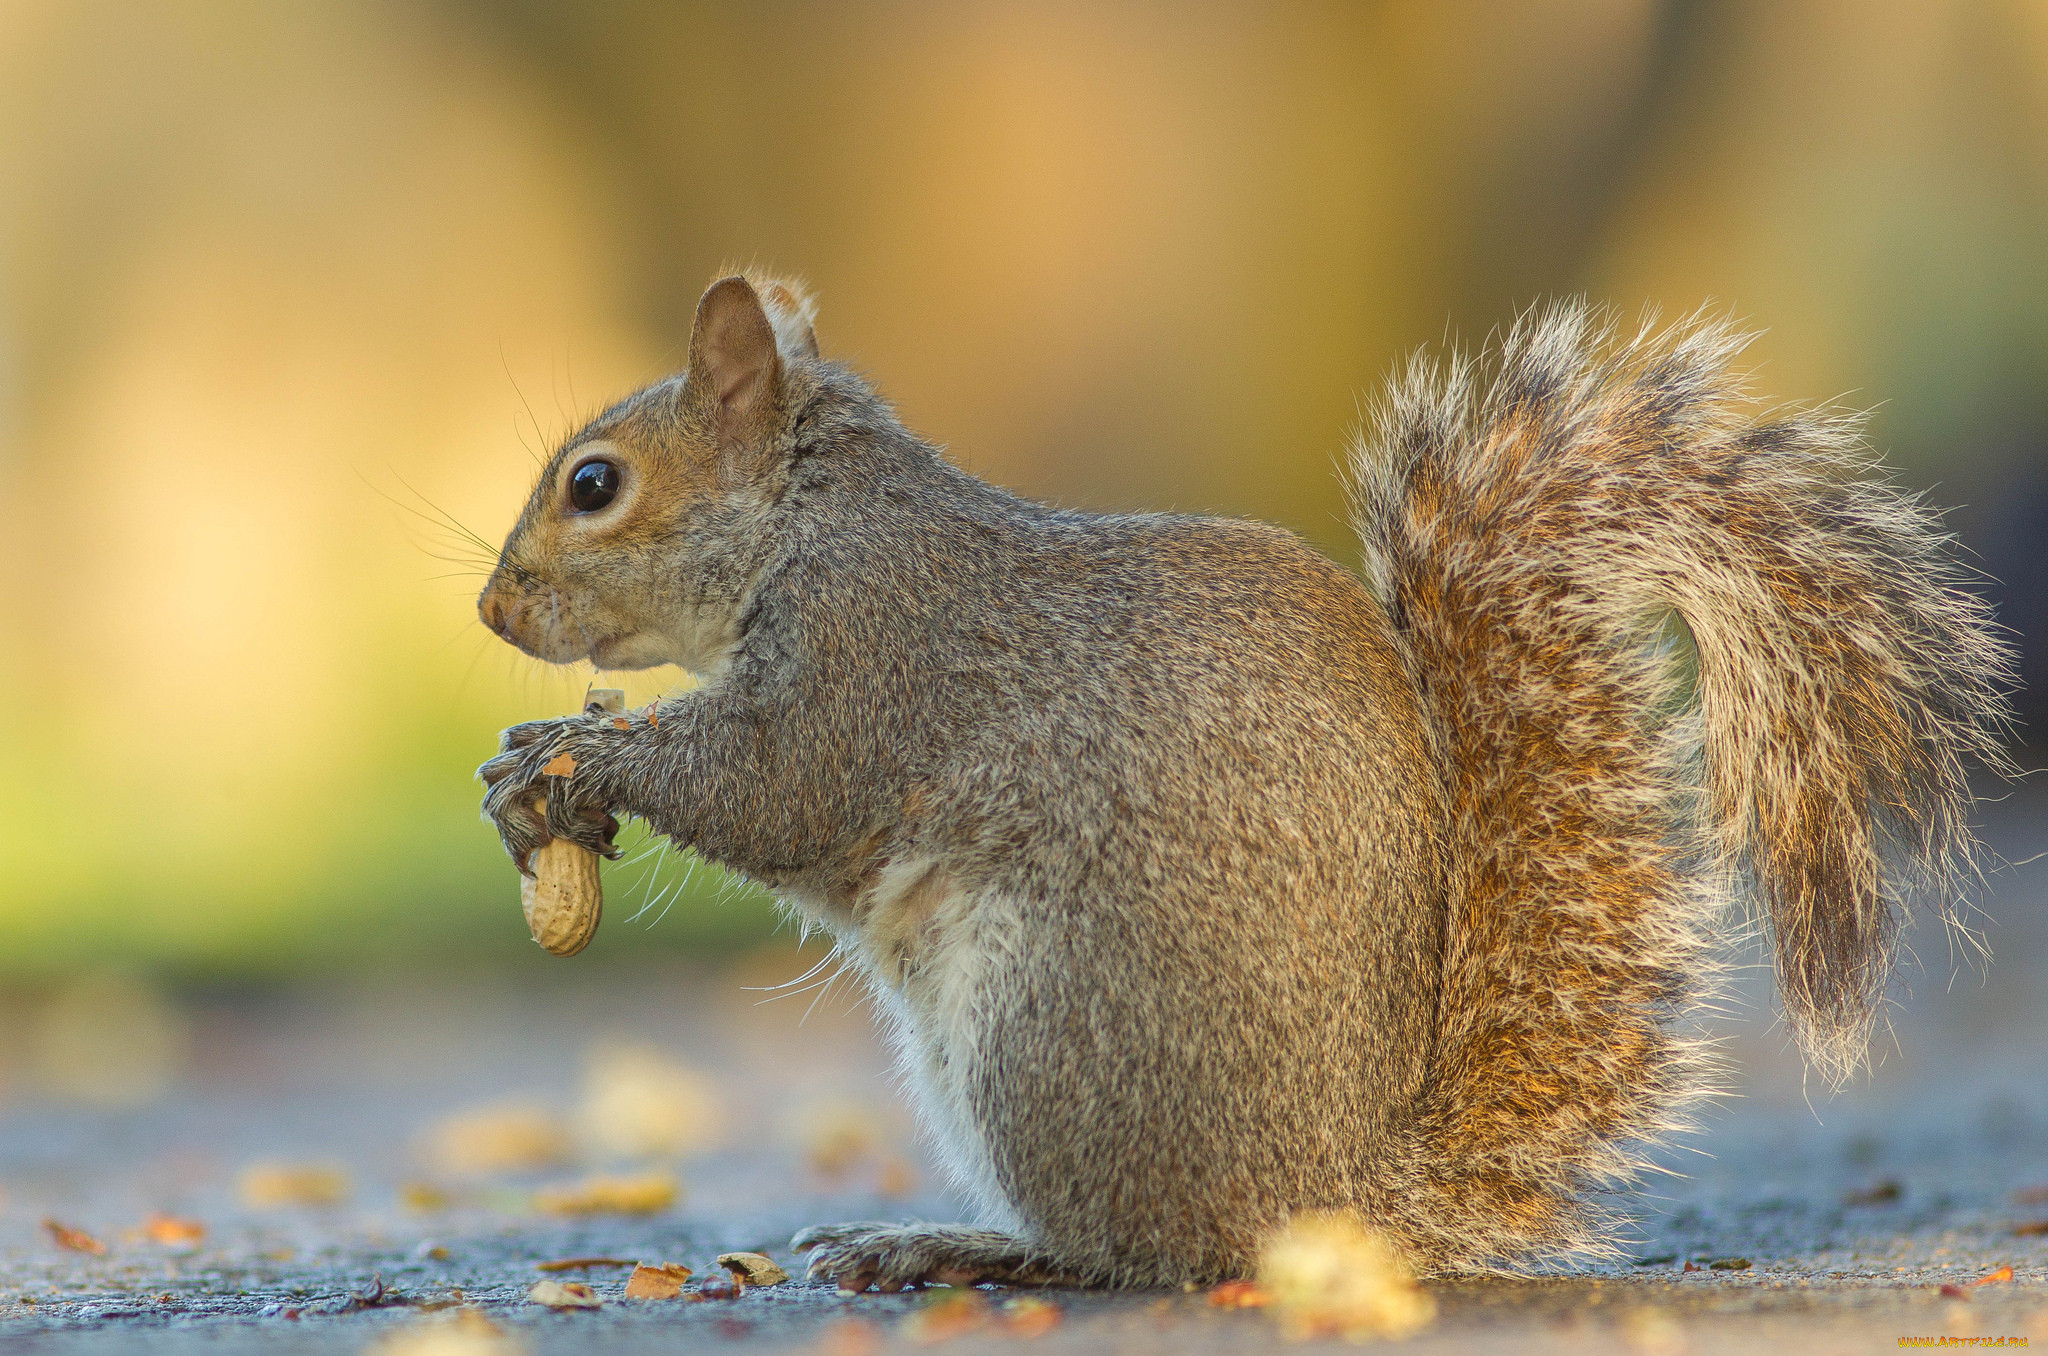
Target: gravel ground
x: 1853, y: 1210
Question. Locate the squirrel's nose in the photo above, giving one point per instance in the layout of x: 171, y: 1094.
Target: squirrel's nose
x: 491, y: 607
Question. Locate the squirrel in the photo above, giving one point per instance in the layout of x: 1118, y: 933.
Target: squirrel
x: 1201, y: 881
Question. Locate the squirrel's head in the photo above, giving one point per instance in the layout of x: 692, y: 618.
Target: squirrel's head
x: 635, y: 547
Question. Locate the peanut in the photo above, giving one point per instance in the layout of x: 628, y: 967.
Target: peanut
x: 564, y: 898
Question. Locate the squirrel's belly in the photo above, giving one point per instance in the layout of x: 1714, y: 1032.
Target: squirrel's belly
x: 934, y: 953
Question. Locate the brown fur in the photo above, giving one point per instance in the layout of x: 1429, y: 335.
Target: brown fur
x: 1201, y: 884
x: 1528, y: 526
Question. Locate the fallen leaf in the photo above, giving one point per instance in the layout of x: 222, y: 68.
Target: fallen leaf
x: 174, y: 1232
x: 563, y: 1295
x: 268, y: 1185
x: 662, y: 1281
x: 584, y: 1263
x: 752, y: 1267
x: 1331, y: 1276
x: 840, y: 1135
x: 500, y: 1138
x: 1954, y: 1292
x: 73, y: 1240
x: 1240, y: 1295
x: 562, y: 764
x: 954, y: 1314
x: 375, y: 1295
x: 465, y: 1332
x: 645, y: 1194
x: 1653, y: 1331
x: 1029, y: 1316
x: 2034, y: 1229
x: 850, y: 1337
x: 718, y: 1286
x: 621, y: 723
x: 2002, y: 1274
x: 1729, y: 1264
x: 895, y: 1178
x: 639, y: 1103
x: 1883, y: 1193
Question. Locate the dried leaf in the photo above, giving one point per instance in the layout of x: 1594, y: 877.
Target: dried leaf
x: 850, y: 1337
x: 718, y: 1286
x: 465, y: 1332
x: 753, y: 1267
x: 1883, y: 1193
x: 562, y: 764
x: 838, y: 1136
x: 73, y: 1240
x: 1331, y: 1276
x: 639, y: 1103
x: 2002, y: 1274
x: 645, y: 1194
x: 1954, y: 1292
x: 2032, y: 1229
x: 1729, y: 1264
x: 1029, y: 1316
x: 563, y: 1295
x: 173, y: 1232
x: 268, y: 1185
x: 503, y: 1137
x: 895, y: 1178
x: 954, y: 1314
x: 662, y: 1281
x: 621, y: 723
x: 584, y: 1263
x: 1653, y: 1331
x: 1240, y: 1295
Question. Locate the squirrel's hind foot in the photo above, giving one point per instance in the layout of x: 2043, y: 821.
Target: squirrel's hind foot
x: 890, y: 1257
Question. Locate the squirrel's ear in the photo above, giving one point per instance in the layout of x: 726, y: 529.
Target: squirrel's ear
x: 733, y: 358
x: 791, y: 311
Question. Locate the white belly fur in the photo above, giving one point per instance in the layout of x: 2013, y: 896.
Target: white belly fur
x: 929, y: 949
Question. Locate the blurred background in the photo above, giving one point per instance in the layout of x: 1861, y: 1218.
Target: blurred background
x: 291, y: 295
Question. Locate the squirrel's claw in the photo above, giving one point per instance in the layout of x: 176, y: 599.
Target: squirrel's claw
x: 891, y: 1257
x: 517, y: 783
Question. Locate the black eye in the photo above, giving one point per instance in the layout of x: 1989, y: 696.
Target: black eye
x: 595, y: 484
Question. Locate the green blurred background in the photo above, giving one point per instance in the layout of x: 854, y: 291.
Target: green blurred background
x: 281, y: 284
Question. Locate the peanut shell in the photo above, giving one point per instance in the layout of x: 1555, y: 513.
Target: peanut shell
x: 563, y: 898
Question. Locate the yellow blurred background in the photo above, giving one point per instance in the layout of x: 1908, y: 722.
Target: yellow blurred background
x: 287, y: 291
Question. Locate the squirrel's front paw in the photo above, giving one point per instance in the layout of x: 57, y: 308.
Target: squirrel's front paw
x: 890, y: 1257
x: 533, y: 792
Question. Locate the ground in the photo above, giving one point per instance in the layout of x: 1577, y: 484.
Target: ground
x: 1853, y: 1210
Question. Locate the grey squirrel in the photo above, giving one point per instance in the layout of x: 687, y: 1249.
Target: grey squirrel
x: 1201, y: 881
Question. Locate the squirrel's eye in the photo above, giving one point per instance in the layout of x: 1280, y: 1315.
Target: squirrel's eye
x: 593, y: 486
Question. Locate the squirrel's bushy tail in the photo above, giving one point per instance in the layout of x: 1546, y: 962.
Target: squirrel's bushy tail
x: 1534, y: 523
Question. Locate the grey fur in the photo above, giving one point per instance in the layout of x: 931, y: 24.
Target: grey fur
x: 1146, y: 830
